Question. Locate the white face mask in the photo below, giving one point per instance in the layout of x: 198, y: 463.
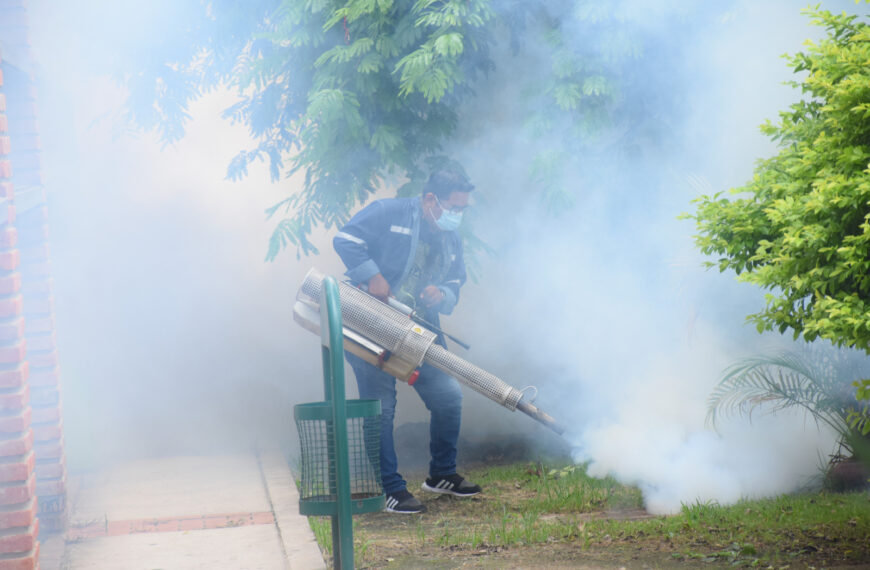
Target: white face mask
x: 449, y: 220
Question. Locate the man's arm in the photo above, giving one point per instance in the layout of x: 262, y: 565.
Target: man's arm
x: 355, y: 243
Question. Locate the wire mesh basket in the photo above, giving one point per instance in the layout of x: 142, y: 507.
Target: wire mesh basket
x: 318, y: 494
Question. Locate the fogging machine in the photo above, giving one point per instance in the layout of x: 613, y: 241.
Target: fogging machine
x: 391, y: 340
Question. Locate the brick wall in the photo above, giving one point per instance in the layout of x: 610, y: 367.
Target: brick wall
x: 32, y: 466
x: 19, y: 525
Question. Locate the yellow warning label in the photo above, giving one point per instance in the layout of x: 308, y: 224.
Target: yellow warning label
x: 417, y: 329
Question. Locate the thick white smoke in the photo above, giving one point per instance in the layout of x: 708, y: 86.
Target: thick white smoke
x: 607, y: 308
x: 176, y: 336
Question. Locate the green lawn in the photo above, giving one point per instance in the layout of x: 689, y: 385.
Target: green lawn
x: 542, y: 516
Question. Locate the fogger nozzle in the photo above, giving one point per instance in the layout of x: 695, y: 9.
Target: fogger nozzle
x: 389, y: 339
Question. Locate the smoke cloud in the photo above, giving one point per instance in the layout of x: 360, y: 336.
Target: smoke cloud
x: 607, y: 307
x: 176, y: 337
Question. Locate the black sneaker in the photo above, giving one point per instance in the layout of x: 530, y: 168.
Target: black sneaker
x: 404, y: 502
x: 451, y: 485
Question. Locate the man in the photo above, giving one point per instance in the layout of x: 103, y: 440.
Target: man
x: 408, y: 248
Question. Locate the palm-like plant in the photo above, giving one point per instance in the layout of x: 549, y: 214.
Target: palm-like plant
x: 817, y: 381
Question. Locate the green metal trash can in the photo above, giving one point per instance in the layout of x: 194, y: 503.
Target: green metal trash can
x: 318, y: 495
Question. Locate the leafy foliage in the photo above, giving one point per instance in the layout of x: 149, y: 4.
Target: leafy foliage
x: 859, y: 417
x: 816, y: 382
x: 357, y: 95
x: 801, y: 227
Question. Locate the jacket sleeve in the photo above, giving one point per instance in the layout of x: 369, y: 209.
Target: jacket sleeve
x: 455, y: 278
x: 356, y: 242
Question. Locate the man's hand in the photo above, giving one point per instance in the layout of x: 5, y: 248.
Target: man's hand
x: 431, y: 296
x: 378, y: 287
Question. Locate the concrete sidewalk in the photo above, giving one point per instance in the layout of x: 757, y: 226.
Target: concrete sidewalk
x: 214, y: 512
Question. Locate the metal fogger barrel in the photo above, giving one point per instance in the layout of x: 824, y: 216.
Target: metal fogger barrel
x: 390, y: 340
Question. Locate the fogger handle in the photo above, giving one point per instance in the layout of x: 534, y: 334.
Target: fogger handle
x: 409, y: 312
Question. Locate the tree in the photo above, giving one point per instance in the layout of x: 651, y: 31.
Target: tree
x: 359, y: 94
x: 801, y: 227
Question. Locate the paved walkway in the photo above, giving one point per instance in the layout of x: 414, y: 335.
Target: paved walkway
x: 228, y: 512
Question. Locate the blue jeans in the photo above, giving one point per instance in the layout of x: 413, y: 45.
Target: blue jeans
x: 443, y: 398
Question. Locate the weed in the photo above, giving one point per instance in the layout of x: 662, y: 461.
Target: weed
x: 322, y: 527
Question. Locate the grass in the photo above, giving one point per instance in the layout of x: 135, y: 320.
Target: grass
x: 541, y: 515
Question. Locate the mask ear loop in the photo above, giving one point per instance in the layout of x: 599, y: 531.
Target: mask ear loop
x: 431, y: 215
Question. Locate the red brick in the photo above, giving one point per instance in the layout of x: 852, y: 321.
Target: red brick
x: 16, y: 446
x: 9, y: 259
x: 12, y: 330
x: 45, y: 415
x: 25, y: 541
x: 16, y: 377
x: 11, y: 307
x: 18, y: 494
x: 15, y: 401
x: 4, y: 122
x: 27, y: 561
x: 15, y: 424
x: 50, y: 488
x: 17, y: 471
x: 45, y: 376
x: 52, y: 449
x: 214, y: 521
x: 42, y: 342
x: 117, y: 528
x: 47, y: 432
x: 13, y: 354
x: 190, y: 524
x: 262, y: 518
x: 10, y: 284
x: 5, y: 167
x: 17, y: 517
x: 7, y: 190
x: 38, y: 325
x: 168, y: 526
x: 143, y: 526
x: 5, y: 146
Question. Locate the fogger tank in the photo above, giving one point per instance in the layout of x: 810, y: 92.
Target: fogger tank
x: 392, y: 341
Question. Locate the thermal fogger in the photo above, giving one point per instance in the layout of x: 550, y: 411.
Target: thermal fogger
x: 395, y: 343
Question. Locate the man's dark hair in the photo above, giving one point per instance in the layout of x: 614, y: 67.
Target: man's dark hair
x: 442, y: 183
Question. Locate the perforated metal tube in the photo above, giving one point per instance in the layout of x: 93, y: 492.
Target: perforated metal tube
x: 407, y: 341
x: 377, y: 321
x: 476, y: 378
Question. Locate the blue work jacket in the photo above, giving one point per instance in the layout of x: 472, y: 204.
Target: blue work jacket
x: 383, y: 237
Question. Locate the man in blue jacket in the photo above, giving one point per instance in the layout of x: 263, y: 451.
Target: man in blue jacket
x: 408, y: 248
